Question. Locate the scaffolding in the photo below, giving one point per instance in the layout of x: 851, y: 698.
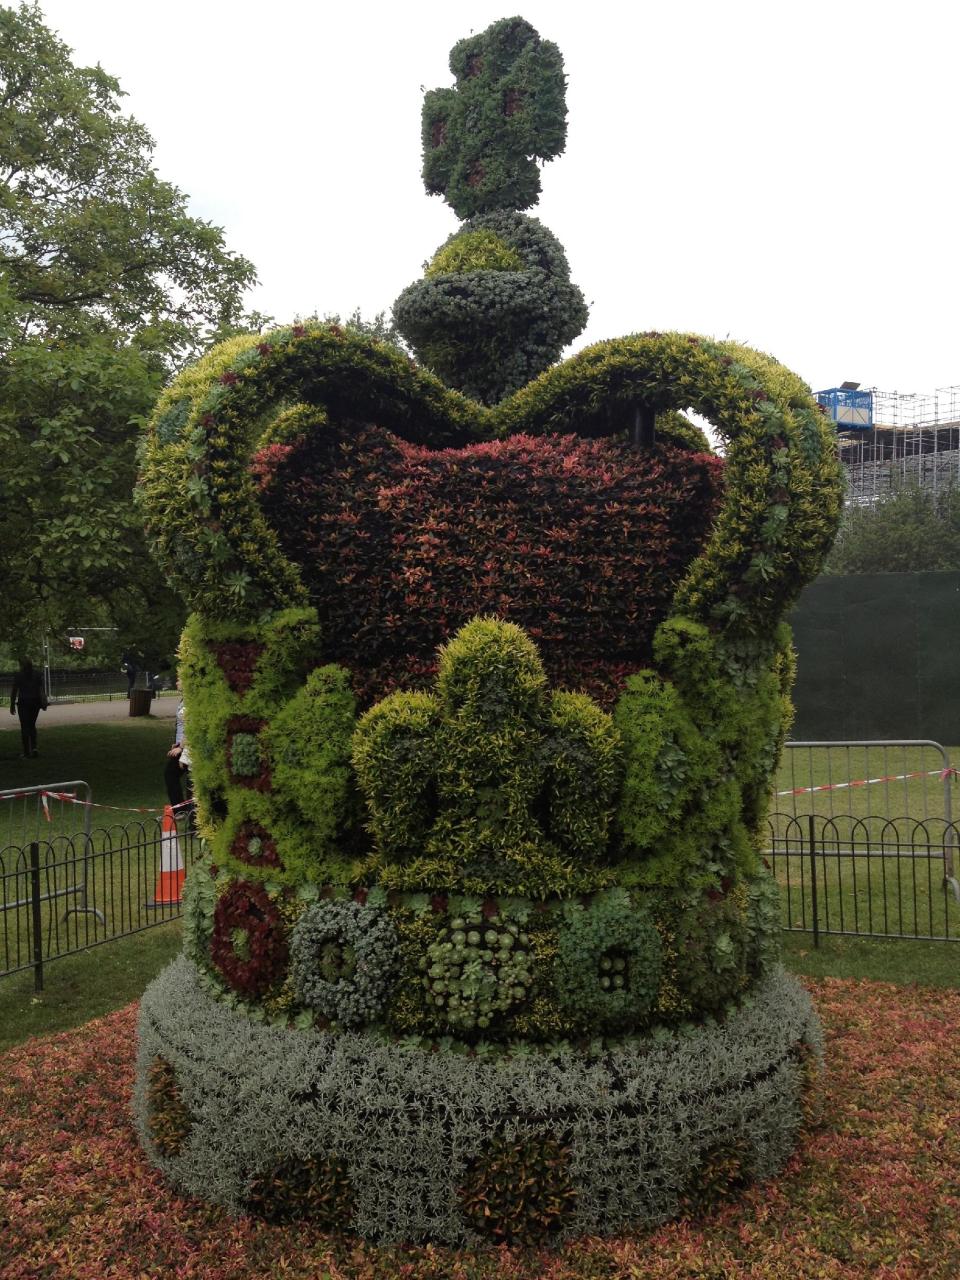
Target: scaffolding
x: 915, y: 438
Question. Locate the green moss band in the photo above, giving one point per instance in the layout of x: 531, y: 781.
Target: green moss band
x: 407, y: 1130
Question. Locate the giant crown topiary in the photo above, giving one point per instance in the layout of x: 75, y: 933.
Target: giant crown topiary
x: 486, y: 681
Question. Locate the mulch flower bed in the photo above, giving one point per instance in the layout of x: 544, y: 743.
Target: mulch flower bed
x: 873, y: 1191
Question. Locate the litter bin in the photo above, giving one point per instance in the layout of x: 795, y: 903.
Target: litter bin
x: 140, y: 700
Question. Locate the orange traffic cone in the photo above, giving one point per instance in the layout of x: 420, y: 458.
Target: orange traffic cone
x: 170, y: 879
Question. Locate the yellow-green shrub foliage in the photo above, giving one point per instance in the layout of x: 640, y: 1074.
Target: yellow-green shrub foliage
x: 269, y: 736
x: 701, y: 740
x: 490, y: 784
x: 479, y: 250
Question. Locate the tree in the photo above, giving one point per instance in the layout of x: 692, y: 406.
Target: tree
x: 908, y: 530
x: 107, y: 284
x: 90, y: 236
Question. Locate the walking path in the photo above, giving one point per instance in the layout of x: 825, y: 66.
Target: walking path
x: 94, y: 712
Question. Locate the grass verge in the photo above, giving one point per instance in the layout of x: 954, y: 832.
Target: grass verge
x: 84, y: 986
x: 121, y: 759
x: 929, y: 964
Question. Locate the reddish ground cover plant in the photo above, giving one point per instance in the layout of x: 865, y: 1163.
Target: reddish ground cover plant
x: 872, y: 1192
x: 580, y: 542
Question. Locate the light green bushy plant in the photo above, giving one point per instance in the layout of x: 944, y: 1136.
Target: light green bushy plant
x: 489, y: 783
x: 307, y: 724
x: 480, y: 250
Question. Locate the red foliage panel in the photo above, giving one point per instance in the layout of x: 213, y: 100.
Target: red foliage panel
x: 238, y: 661
x: 580, y: 542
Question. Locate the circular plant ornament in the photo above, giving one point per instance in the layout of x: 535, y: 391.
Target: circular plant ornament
x: 255, y: 845
x: 341, y: 957
x: 249, y: 944
x: 608, y: 963
x: 478, y: 968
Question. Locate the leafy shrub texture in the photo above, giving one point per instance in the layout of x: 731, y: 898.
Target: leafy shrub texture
x: 408, y: 1125
x: 168, y: 1120
x: 470, y: 956
x: 518, y: 1191
x: 579, y: 542
x: 482, y: 139
x: 492, y: 785
x: 296, y: 1188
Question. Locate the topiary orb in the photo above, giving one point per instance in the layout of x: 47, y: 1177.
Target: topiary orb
x: 486, y: 681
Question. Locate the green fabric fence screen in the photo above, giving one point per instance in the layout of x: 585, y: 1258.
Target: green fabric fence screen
x: 878, y: 656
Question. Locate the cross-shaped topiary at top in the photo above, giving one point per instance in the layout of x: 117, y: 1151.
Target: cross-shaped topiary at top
x: 482, y: 139
x: 493, y: 784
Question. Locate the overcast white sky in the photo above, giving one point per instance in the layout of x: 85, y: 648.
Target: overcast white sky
x: 783, y: 174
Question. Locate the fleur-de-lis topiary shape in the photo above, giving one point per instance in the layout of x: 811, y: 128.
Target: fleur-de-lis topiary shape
x: 482, y: 139
x: 496, y: 783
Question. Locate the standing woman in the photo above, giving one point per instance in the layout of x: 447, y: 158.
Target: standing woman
x: 176, y: 774
x: 28, y: 696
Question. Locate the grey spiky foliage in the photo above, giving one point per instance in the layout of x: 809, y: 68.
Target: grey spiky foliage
x: 405, y: 1125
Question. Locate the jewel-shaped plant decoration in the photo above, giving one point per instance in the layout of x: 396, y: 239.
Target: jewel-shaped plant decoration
x: 482, y: 139
x: 492, y: 783
x: 496, y: 306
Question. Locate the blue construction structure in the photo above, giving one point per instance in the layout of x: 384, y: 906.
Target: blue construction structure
x: 850, y: 408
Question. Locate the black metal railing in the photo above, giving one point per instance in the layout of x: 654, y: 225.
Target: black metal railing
x: 862, y: 877
x: 70, y: 893
x: 65, y: 684
x: 866, y: 877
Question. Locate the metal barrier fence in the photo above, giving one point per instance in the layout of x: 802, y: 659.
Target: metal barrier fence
x: 68, y: 894
x: 35, y: 813
x: 868, y: 777
x: 854, y: 877
x: 845, y: 864
x: 69, y: 685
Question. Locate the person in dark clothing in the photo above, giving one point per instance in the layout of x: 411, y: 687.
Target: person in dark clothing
x: 29, y: 698
x: 130, y: 668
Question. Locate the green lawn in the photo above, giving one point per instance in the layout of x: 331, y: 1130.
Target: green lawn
x: 84, y: 986
x: 920, y: 798
x: 121, y: 759
x: 883, y: 850
x: 929, y: 964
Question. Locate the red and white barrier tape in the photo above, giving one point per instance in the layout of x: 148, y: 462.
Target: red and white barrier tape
x: 68, y: 797
x: 943, y: 775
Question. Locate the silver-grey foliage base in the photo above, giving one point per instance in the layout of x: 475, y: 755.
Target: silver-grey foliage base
x: 637, y: 1119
